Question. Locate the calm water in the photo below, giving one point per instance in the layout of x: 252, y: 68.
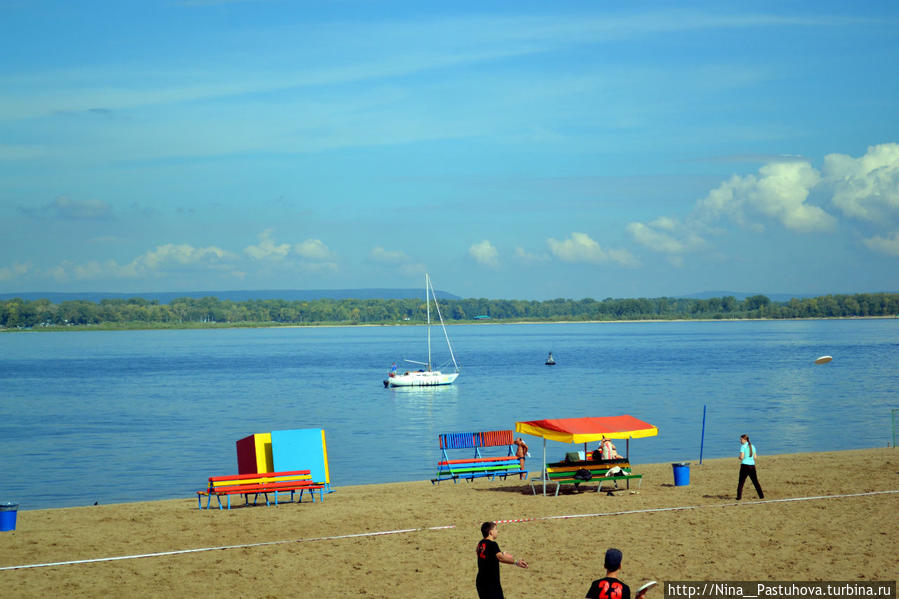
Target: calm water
x: 132, y: 416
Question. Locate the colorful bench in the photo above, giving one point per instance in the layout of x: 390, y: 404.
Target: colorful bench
x: 296, y: 481
x: 478, y: 466
x: 563, y: 473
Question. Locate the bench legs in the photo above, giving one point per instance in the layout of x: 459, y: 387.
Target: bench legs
x: 246, y: 496
x: 321, y: 494
x: 600, y: 480
x: 535, y: 482
x: 311, y: 494
x: 208, y: 501
x: 627, y: 481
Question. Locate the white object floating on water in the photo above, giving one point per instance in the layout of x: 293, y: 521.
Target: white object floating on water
x: 823, y: 360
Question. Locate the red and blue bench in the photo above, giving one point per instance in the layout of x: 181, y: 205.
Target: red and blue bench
x: 479, y: 466
x: 266, y: 483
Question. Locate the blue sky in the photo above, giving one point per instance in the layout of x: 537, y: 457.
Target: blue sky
x: 523, y: 150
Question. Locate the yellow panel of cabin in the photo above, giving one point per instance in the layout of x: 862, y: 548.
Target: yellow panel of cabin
x: 264, y: 461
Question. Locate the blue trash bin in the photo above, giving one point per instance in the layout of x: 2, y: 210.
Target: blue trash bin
x: 681, y: 474
x: 8, y: 516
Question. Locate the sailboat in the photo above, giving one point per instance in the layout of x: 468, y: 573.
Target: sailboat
x: 425, y: 377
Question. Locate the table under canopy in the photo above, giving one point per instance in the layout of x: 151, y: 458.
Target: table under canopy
x: 585, y: 430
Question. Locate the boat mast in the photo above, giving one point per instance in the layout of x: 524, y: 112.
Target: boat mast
x: 428, y: 304
x: 445, y: 334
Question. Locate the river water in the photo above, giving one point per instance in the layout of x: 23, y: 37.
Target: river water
x: 116, y: 416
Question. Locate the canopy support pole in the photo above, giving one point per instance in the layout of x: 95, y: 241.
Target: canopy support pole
x: 544, y: 467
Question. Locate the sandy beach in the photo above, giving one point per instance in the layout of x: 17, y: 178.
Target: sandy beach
x: 826, y: 516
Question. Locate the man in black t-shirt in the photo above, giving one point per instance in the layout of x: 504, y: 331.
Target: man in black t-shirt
x: 610, y: 587
x: 489, y: 558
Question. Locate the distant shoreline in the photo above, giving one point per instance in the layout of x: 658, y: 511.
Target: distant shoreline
x: 214, y: 326
x: 188, y: 313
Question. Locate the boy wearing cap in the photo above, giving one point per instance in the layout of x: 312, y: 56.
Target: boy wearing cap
x: 610, y: 587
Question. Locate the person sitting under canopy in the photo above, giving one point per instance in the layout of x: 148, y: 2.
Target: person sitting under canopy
x: 608, y: 449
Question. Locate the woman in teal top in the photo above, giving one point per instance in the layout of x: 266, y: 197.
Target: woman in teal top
x: 747, y: 467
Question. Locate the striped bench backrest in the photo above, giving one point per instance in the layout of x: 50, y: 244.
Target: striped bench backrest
x: 468, y: 440
x: 257, y: 479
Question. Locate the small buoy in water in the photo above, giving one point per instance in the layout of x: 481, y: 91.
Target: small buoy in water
x: 823, y: 360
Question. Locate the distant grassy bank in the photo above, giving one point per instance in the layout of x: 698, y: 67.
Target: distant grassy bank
x: 212, y: 313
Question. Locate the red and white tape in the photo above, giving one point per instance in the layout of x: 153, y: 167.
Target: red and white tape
x: 411, y: 530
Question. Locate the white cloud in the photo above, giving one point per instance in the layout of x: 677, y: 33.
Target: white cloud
x: 161, y: 260
x: 579, y: 247
x: 865, y: 188
x: 779, y: 192
x: 888, y: 245
x: 313, y: 249
x: 526, y: 257
x: 8, y: 273
x: 667, y: 236
x: 379, y: 254
x: 178, y: 254
x: 185, y: 258
x: 267, y: 249
x: 316, y: 257
x: 397, y: 260
x: 661, y: 235
x: 484, y: 253
x: 93, y: 269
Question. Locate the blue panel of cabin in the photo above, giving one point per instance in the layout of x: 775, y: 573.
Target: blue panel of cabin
x: 300, y: 449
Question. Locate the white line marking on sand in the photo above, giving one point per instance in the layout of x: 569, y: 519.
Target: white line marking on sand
x: 408, y: 530
x: 735, y: 503
x: 243, y: 546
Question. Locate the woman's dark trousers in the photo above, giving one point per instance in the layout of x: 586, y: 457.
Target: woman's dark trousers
x: 747, y: 470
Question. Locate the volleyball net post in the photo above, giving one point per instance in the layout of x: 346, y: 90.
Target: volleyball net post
x: 894, y: 412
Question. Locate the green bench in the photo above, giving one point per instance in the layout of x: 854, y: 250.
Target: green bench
x: 563, y: 473
x: 479, y: 466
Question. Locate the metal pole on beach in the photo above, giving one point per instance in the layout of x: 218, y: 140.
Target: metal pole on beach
x: 894, y: 427
x: 702, y: 438
x: 544, y: 466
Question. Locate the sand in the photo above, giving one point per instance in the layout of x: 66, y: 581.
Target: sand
x: 310, y: 549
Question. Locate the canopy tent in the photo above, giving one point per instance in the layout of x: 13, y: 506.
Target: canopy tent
x: 585, y: 430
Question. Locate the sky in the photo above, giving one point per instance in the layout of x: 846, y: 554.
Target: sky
x: 513, y: 150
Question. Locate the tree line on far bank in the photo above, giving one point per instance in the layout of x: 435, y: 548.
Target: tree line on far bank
x: 210, y: 311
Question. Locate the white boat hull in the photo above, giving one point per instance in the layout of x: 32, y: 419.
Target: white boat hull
x: 425, y: 377
x: 421, y: 379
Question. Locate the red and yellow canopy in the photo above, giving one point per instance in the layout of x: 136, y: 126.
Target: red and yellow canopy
x: 585, y: 430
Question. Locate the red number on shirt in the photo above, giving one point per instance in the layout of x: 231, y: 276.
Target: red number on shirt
x: 610, y: 590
